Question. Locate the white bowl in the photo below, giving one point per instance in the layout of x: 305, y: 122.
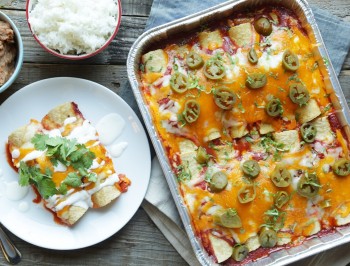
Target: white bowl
x: 19, y: 57
x: 30, y: 5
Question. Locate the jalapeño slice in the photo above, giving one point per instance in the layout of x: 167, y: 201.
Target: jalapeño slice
x: 178, y: 82
x: 202, y: 155
x: 281, y: 199
x: 342, y: 167
x: 308, y: 132
x: 214, y: 69
x: 263, y: 26
x: 228, y: 218
x: 308, y: 185
x: 246, y: 194
x: 240, y: 252
x: 252, y: 56
x: 194, y: 60
x: 267, y: 237
x: 281, y: 176
x: 224, y: 98
x: 274, y: 107
x: 251, y: 168
x: 192, y: 111
x: 290, y: 61
x: 218, y: 182
x: 256, y: 81
x: 298, y: 94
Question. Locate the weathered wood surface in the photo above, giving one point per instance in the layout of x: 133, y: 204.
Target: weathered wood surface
x: 139, y: 242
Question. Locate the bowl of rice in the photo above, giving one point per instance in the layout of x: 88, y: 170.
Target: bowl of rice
x: 74, y: 29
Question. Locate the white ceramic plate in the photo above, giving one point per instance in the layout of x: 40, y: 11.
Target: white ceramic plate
x: 36, y: 225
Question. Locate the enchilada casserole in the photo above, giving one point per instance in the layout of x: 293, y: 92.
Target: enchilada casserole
x: 250, y: 132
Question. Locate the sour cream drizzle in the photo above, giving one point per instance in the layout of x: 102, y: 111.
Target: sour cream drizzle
x: 110, y: 128
x: 32, y: 155
x: 107, y: 130
x: 84, y: 133
x: 81, y: 198
x: 13, y: 191
x: 117, y: 149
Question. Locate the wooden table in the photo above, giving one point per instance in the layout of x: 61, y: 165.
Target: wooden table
x: 139, y: 242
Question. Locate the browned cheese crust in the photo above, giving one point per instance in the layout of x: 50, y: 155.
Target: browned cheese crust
x: 56, y: 117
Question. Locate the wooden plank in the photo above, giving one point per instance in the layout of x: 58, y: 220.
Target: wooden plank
x: 344, y: 80
x: 116, y: 53
x: 110, y: 76
x: 136, y: 7
x: 339, y: 8
x: 347, y: 62
x: 138, y: 243
x: 13, y: 4
x: 129, y: 7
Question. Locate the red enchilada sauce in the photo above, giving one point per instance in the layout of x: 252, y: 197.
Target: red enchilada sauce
x: 38, y: 198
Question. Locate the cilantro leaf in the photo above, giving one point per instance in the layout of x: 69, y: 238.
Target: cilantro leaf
x: 76, y: 155
x: 275, y: 219
x: 67, y: 148
x: 63, y: 189
x: 24, y: 174
x: 39, y: 141
x: 67, y: 151
x: 43, y: 182
x: 73, y: 180
x: 82, y: 171
x: 55, y: 161
x: 92, y: 177
x: 53, y: 142
x: 63, y: 150
x: 82, y: 157
x: 273, y: 147
x: 47, y: 188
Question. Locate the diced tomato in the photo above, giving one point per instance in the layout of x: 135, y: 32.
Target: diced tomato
x: 334, y: 122
x: 227, y: 46
x: 163, y: 101
x: 124, y: 182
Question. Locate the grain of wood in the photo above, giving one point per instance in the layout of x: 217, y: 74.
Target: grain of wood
x: 347, y: 62
x: 139, y: 242
x: 110, y: 76
x: 339, y: 8
x: 116, y: 53
x: 129, y: 7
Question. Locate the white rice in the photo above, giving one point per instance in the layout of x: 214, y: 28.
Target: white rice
x: 74, y: 25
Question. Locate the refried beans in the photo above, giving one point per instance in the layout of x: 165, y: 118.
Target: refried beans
x: 7, y: 52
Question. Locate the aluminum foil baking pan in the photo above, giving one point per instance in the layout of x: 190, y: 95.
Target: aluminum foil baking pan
x: 162, y: 34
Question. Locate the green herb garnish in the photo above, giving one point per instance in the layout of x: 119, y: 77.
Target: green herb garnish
x: 60, y: 150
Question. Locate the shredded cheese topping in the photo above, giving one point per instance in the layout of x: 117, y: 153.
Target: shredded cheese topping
x: 247, y: 132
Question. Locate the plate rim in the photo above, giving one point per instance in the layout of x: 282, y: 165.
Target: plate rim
x: 95, y: 87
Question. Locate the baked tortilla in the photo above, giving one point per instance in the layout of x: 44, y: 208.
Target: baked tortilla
x: 67, y: 122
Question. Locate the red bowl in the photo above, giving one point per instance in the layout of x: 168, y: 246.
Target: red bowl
x: 29, y: 5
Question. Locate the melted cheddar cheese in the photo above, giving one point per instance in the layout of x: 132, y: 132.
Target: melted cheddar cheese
x: 96, y: 192
x: 247, y: 132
